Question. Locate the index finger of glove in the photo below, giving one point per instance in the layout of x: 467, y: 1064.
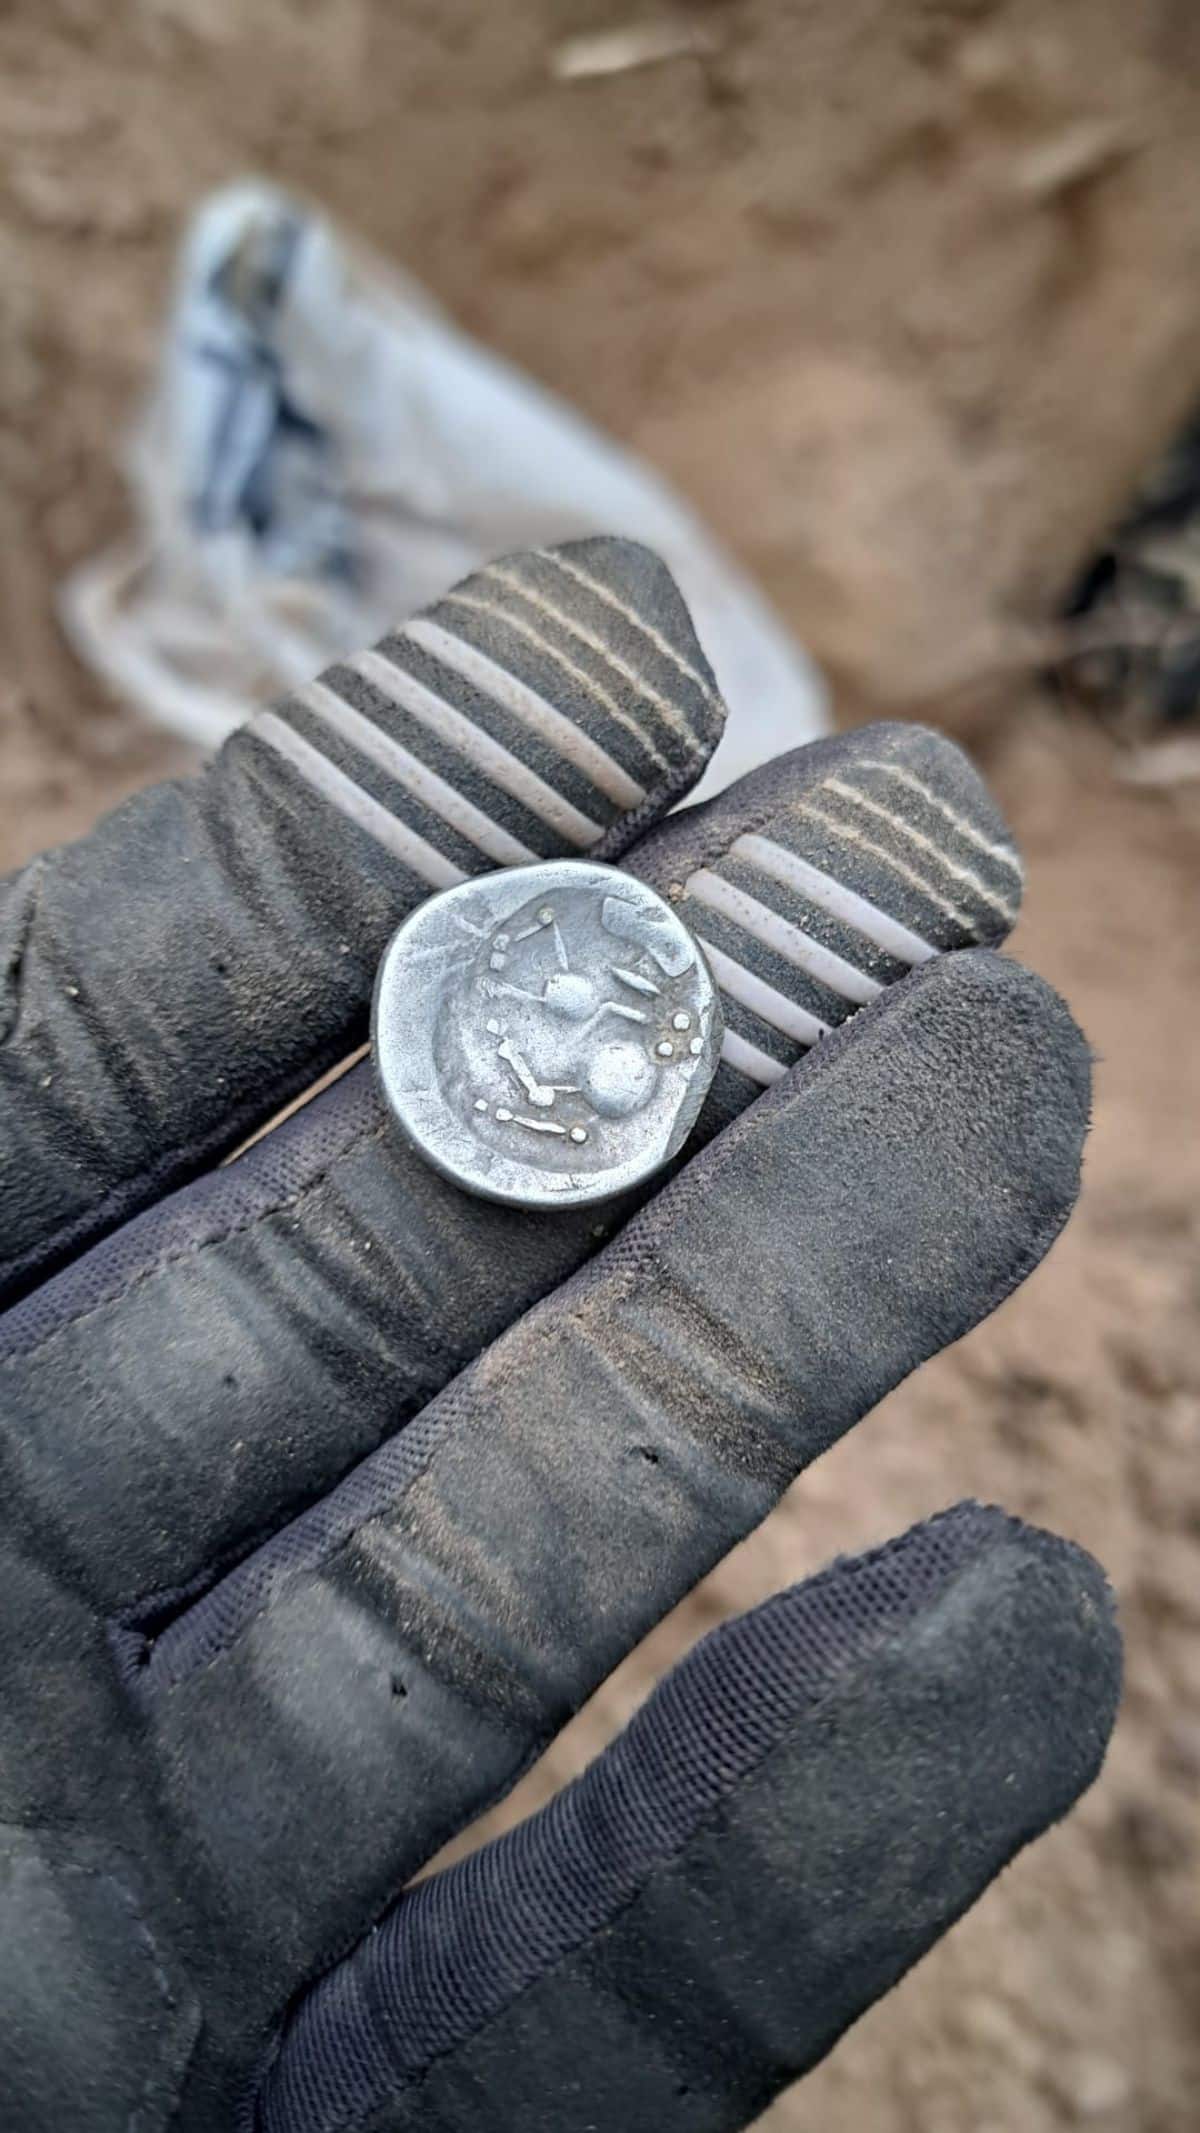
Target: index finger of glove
x: 209, y: 950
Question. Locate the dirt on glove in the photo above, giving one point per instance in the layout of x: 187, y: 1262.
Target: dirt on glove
x: 905, y: 297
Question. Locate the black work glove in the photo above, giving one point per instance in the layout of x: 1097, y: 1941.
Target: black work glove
x: 330, y: 1492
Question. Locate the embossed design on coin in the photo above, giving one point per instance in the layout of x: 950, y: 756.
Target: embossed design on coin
x: 546, y: 1035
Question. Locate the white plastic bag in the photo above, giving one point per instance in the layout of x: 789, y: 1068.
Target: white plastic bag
x: 323, y: 454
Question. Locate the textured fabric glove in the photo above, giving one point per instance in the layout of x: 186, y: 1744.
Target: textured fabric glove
x: 330, y: 1492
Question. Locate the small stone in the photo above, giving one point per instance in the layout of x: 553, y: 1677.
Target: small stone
x: 1091, y: 2086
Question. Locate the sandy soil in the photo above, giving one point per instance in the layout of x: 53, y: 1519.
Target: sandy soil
x: 904, y: 295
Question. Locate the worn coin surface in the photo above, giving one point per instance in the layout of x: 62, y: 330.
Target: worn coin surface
x: 545, y: 1035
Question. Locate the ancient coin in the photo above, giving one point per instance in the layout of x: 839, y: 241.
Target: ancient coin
x: 545, y: 1035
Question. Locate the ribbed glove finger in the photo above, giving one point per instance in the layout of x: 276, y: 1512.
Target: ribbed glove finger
x: 171, y: 980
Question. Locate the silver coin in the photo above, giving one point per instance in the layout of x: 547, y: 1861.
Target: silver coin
x: 546, y: 1035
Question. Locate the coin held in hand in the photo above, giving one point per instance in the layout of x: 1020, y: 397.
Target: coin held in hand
x: 546, y: 1035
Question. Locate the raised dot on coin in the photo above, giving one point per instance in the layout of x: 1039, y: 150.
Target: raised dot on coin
x: 681, y: 1022
x: 696, y: 1047
x: 480, y: 1105
x: 498, y: 961
x: 501, y: 941
x: 493, y: 1028
x: 578, y: 1134
x: 666, y: 1049
x: 504, y: 1114
x: 546, y: 916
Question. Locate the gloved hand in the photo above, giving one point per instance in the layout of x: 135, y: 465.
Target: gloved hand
x: 330, y: 1492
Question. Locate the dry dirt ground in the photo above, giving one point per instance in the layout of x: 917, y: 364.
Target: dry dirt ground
x: 904, y: 295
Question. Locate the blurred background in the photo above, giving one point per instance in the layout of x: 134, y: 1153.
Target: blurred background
x: 904, y: 297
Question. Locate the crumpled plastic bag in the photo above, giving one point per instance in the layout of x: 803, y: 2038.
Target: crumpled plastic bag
x: 323, y: 453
